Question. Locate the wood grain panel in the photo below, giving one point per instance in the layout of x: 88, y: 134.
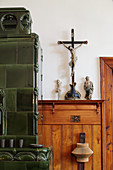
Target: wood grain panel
x: 112, y: 119
x: 102, y: 81
x: 75, y: 107
x: 45, y: 107
x: 97, y: 147
x: 56, y: 141
x: 64, y: 117
x: 46, y: 140
x: 68, y: 107
x: 106, y: 74
x: 87, y: 129
x: 46, y: 135
x: 40, y: 136
x: 69, y: 104
x: 66, y: 147
x: 108, y: 110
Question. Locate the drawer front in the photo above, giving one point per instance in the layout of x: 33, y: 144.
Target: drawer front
x: 71, y: 114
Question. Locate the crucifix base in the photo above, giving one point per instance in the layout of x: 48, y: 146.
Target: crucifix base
x: 72, y: 94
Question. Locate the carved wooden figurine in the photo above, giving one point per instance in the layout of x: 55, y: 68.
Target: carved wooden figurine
x: 88, y: 87
x: 58, y: 89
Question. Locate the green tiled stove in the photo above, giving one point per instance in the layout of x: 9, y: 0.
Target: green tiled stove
x: 19, y: 94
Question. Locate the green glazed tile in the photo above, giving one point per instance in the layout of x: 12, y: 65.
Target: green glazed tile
x: 15, y: 76
x: 17, y: 123
x: 24, y: 165
x: 29, y: 76
x: 25, y: 52
x: 44, y: 165
x: 11, y: 100
x: 2, y: 76
x: 32, y: 166
x: 14, y: 165
x: 27, y: 140
x: 25, y: 99
x: 30, y: 123
x: 40, y: 165
x: 19, y: 76
x: 2, y: 165
x: 8, y: 52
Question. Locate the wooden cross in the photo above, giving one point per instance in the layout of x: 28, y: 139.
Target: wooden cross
x: 72, y: 42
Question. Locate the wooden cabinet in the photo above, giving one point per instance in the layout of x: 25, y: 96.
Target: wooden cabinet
x: 63, y: 121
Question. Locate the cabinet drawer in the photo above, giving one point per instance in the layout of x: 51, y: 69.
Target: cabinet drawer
x: 71, y: 117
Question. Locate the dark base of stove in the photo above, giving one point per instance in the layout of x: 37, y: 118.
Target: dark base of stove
x: 24, y: 165
x: 25, y: 158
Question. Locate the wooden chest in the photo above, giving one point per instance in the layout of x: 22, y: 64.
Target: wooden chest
x: 63, y: 121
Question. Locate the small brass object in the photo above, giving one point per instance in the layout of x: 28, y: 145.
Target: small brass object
x: 75, y: 118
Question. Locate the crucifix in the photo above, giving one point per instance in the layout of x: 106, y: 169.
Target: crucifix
x: 72, y: 94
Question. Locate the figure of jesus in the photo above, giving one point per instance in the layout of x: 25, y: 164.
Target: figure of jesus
x: 73, y: 55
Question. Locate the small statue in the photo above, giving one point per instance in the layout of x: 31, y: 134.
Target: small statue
x: 58, y: 90
x: 88, y: 87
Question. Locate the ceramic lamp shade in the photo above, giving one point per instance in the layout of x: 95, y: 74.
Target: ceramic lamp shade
x: 82, y: 152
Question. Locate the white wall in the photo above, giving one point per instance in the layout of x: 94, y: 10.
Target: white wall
x: 53, y: 20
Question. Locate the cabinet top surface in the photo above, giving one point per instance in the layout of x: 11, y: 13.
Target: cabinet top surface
x: 70, y: 101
